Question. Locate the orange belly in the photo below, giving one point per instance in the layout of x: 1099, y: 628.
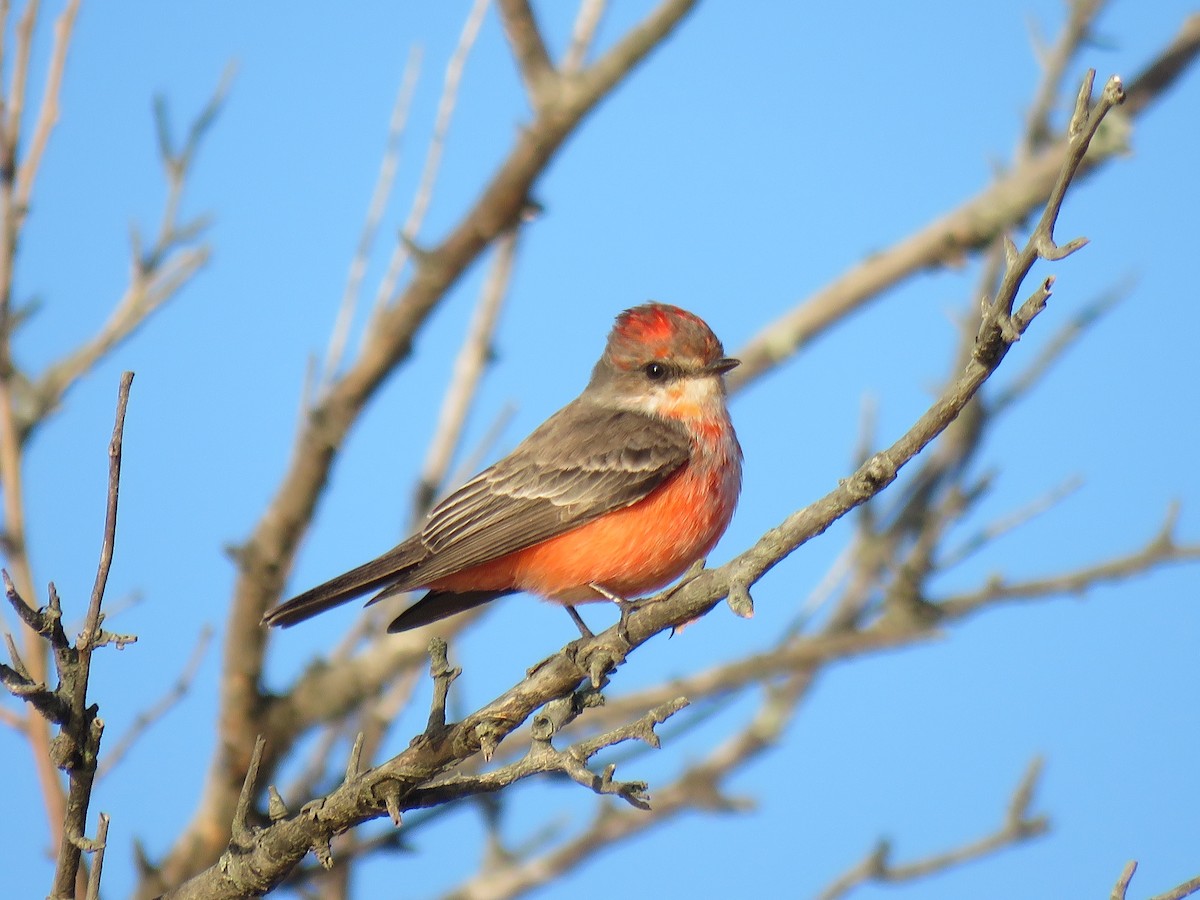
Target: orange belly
x: 627, y: 552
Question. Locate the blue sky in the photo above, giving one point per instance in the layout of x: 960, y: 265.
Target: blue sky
x: 761, y: 152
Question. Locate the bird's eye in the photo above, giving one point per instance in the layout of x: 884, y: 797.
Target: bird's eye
x: 655, y: 371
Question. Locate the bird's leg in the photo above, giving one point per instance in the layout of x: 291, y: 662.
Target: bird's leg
x: 600, y: 656
x: 629, y: 606
x: 584, y: 631
x: 623, y: 603
x: 607, y: 594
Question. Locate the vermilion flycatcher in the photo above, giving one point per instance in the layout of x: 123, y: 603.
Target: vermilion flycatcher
x: 616, y: 494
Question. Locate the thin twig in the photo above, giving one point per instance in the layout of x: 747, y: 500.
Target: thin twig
x: 433, y: 156
x: 473, y: 357
x: 1065, y: 338
x: 379, y: 198
x: 157, y: 274
x: 587, y: 20
x: 1081, y: 14
x: 82, y: 733
x: 48, y: 110
x: 1122, y: 885
x: 1008, y: 523
x: 12, y: 219
x: 1162, y: 549
x: 101, y: 844
x: 1018, y: 827
x: 1180, y: 891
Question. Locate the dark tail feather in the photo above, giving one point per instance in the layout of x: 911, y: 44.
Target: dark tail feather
x: 438, y: 605
x: 385, y: 571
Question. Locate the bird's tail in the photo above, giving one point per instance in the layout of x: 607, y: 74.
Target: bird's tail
x: 438, y: 605
x: 385, y: 571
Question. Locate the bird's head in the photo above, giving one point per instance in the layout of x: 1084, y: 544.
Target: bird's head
x: 662, y: 360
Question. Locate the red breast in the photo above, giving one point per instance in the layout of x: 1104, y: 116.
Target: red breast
x: 633, y: 550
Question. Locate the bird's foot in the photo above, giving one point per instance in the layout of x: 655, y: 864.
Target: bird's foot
x: 597, y: 661
x: 598, y: 656
x: 629, y: 607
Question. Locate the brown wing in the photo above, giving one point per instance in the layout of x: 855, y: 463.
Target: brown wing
x: 582, y: 462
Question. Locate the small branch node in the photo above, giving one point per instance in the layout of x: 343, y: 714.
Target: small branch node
x: 18, y: 663
x: 353, y: 765
x: 872, y: 476
x: 391, y: 800
x: 418, y: 253
x: 541, y: 730
x: 443, y: 676
x: 1083, y: 101
x: 1164, y: 541
x: 86, y: 844
x: 489, y: 734
x: 104, y: 638
x: 740, y: 601
x: 1022, y: 799
x: 242, y: 832
x: 323, y: 852
x: 276, y: 808
x: 1048, y: 250
x: 1011, y: 253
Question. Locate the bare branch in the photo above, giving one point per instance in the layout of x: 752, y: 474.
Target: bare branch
x: 1014, y: 520
x: 543, y: 758
x: 529, y: 50
x: 973, y: 225
x: 379, y: 197
x: 1122, y: 884
x: 1081, y: 15
x: 48, y: 112
x: 475, y: 353
x: 443, y: 675
x: 582, y: 35
x: 81, y: 734
x: 1160, y: 550
x: 157, y: 275
x: 1166, y: 68
x: 697, y: 788
x: 97, y: 848
x: 1065, y: 338
x: 1018, y: 827
x: 242, y: 832
x: 1178, y: 893
x: 433, y: 156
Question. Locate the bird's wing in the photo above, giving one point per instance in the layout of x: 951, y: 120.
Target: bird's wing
x: 580, y: 463
x: 583, y: 462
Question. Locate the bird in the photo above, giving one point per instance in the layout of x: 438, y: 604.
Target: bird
x: 617, y: 494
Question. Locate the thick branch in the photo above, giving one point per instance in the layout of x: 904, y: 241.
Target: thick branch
x: 529, y: 50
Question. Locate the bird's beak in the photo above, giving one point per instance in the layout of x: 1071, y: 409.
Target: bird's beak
x: 723, y: 365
